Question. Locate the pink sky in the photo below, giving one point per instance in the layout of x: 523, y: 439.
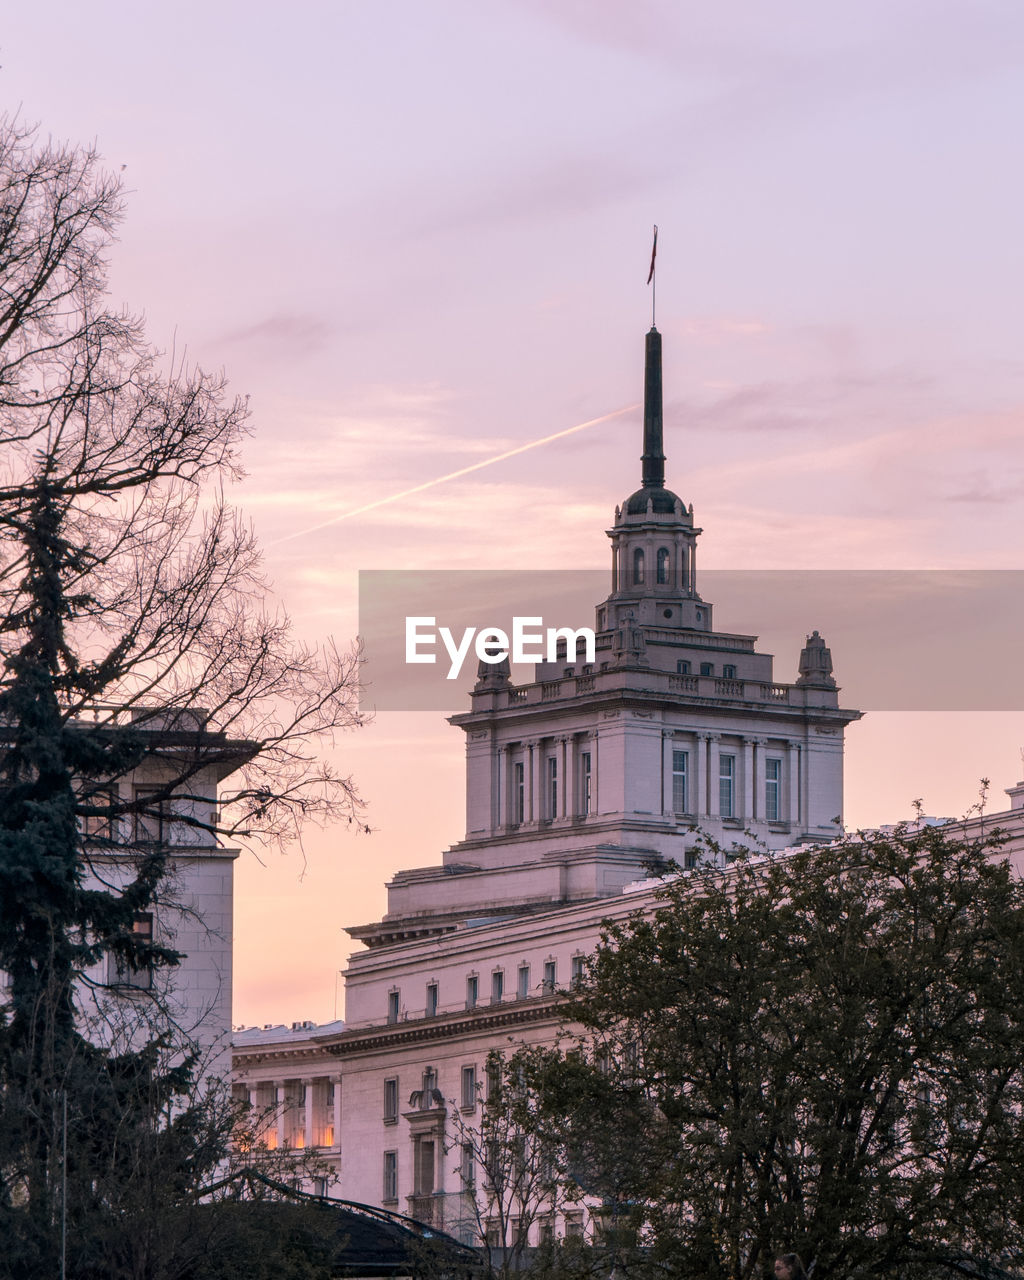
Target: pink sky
x: 417, y: 233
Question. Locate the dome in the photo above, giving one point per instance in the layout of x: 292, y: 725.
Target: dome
x: 663, y: 502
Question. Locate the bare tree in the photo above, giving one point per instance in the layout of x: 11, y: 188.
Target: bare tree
x: 136, y: 630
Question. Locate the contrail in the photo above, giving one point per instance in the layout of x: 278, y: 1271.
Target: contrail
x: 454, y: 475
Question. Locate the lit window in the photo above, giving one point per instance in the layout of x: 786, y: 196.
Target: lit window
x: 662, y: 565
x: 772, y: 789
x: 680, y: 769
x: 126, y: 973
x: 726, y: 786
x: 472, y: 991
x: 523, y: 982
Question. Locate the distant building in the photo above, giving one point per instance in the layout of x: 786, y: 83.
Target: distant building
x: 582, y: 787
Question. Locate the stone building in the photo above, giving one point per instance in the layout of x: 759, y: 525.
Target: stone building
x: 582, y: 786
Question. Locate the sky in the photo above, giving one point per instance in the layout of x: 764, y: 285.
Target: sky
x: 416, y: 233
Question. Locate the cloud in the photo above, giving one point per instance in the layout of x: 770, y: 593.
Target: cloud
x: 287, y: 332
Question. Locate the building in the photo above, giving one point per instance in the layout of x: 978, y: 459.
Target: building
x: 580, y: 787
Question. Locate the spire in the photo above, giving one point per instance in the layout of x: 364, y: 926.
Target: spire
x: 654, y: 449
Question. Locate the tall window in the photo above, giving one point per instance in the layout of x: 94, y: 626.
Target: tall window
x: 125, y: 973
x: 707, y: 668
x: 472, y: 991
x: 467, y: 1167
x: 523, y: 982
x: 151, y: 819
x: 585, y: 783
x: 393, y: 997
x: 431, y: 1009
x: 680, y: 770
x: 497, y: 986
x: 391, y: 1100
x: 772, y: 789
x: 552, y: 787
x: 727, y: 786
x: 102, y: 825
x: 550, y: 976
x: 423, y: 1166
x: 662, y: 565
x: 638, y: 566
x: 390, y: 1175
x: 729, y: 671
x: 469, y: 1088
x: 518, y: 793
x: 577, y: 967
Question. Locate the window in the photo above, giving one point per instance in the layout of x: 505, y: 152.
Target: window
x: 390, y: 1176
x: 497, y: 986
x: 585, y: 783
x: 151, y: 822
x: 726, y: 786
x: 523, y: 982
x: 493, y: 1077
x: 728, y: 672
x: 682, y: 667
x: 472, y: 991
x: 393, y: 1006
x: 467, y: 1167
x: 431, y: 1010
x: 469, y: 1088
x: 391, y: 1100
x: 662, y: 565
x: 423, y: 1166
x: 546, y: 1232
x: 518, y: 793
x: 578, y: 966
x: 690, y: 859
x: 772, y: 789
x: 492, y: 1233
x: 125, y: 973
x: 574, y: 1225
x: 638, y: 566
x: 680, y: 769
x: 552, y: 787
x: 550, y: 976
x: 707, y: 668
x: 102, y: 825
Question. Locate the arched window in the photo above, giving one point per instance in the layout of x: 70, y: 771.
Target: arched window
x: 662, y: 565
x: 638, y: 566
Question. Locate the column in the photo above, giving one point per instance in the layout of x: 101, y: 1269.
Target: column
x: 595, y: 774
x: 699, y: 805
x: 714, y: 769
x: 499, y: 789
x: 569, y: 781
x: 793, y: 773
x: 281, y: 1095
x: 309, y: 1119
x: 563, y: 780
x: 759, y: 752
x: 667, y: 742
x: 337, y: 1112
x: 538, y: 781
x: 531, y: 751
x: 747, y: 811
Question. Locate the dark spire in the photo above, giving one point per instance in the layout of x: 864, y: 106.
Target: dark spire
x: 654, y: 448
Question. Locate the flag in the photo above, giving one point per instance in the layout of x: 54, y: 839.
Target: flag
x: 654, y: 254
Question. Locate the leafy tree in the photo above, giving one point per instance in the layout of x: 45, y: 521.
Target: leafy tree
x: 819, y: 1051
x: 134, y: 626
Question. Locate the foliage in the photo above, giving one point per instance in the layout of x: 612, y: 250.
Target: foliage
x: 818, y: 1051
x: 135, y: 633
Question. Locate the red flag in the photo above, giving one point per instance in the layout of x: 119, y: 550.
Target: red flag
x: 654, y: 254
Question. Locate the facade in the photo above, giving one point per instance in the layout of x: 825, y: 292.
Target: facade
x: 169, y: 799
x: 583, y: 787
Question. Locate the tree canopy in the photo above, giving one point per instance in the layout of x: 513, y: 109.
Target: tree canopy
x: 819, y: 1052
x: 135, y: 622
